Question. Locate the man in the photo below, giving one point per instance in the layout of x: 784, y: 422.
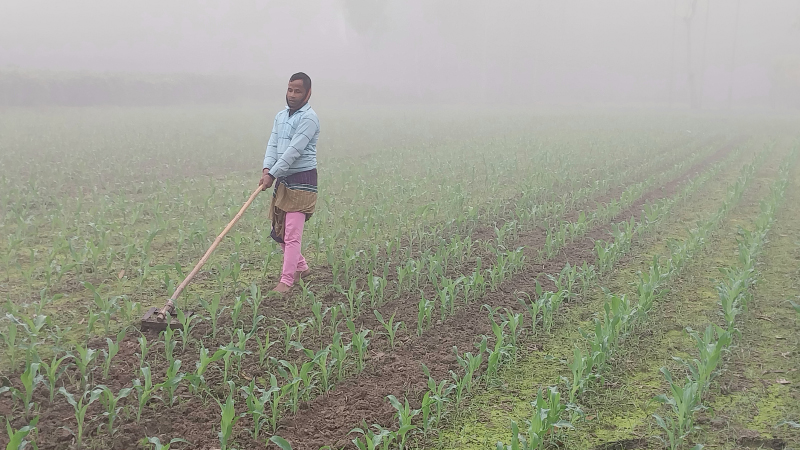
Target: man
x: 290, y: 164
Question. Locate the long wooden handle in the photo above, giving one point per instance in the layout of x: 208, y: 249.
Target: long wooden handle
x: 204, y: 259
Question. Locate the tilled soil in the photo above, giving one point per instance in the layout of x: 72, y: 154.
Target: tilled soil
x: 328, y: 419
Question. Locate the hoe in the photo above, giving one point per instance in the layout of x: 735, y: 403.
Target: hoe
x: 156, y: 319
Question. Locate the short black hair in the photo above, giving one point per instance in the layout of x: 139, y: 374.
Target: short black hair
x: 302, y: 76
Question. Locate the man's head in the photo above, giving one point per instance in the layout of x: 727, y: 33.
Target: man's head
x: 299, y: 91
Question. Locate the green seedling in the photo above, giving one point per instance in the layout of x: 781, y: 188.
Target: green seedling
x: 683, y: 403
x: 318, y: 318
x: 263, y: 347
x: 359, y: 342
x: 425, y: 311
x: 213, y: 310
x: 405, y: 416
x: 228, y: 418
x: 53, y: 373
x: 143, y: 348
x: 186, y: 327
x: 390, y: 327
x: 110, y: 402
x: 85, y: 360
x: 80, y: 406
x: 144, y: 390
x: 30, y: 378
x: 16, y: 439
x: 157, y: 445
x: 172, y: 380
x: 339, y: 353
x: 282, y: 443
x: 10, y: 339
x: 113, y: 348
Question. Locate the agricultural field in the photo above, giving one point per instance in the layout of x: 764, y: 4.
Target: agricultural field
x: 507, y: 281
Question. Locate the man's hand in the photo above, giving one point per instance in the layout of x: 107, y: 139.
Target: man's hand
x: 266, y: 180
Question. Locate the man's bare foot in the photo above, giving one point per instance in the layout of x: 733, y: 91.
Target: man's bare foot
x: 282, y: 288
x: 300, y: 274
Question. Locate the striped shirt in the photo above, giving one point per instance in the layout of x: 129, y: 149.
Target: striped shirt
x: 292, y: 146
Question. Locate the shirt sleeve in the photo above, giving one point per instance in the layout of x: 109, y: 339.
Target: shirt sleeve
x: 271, y: 154
x: 305, y: 131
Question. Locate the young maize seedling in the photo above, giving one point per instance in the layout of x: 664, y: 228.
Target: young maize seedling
x: 324, y: 366
x: 405, y: 415
x: 80, y: 407
x: 501, y: 350
x: 336, y: 311
x: 339, y: 353
x: 53, y: 373
x: 470, y: 364
x: 360, y: 342
x: 169, y: 343
x: 711, y: 344
x: 549, y: 303
x: 581, y: 368
x: 733, y: 292
x: 113, y: 348
x: 186, y: 327
x: 377, y: 287
x: 545, y: 416
x: 213, y: 311
x: 263, y: 346
x: 390, y: 326
x: 515, y: 324
x: 16, y: 439
x: 282, y: 443
x: 255, y: 298
x: 109, y: 402
x: 228, y: 418
x: 172, y: 380
x: 532, y: 306
x: 143, y: 348
x: 106, y: 306
x: 684, y: 402
x: 256, y: 405
x: 197, y: 379
x: 383, y: 439
x: 236, y: 310
x: 30, y: 378
x: 86, y: 358
x: 157, y: 445
x: 144, y: 390
x: 318, y: 315
x: 10, y: 338
x: 425, y: 311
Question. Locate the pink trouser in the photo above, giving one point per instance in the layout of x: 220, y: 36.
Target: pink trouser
x: 293, y: 261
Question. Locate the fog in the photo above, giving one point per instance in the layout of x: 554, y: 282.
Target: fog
x: 701, y: 54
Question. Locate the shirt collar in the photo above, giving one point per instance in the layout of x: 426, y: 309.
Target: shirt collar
x: 304, y: 108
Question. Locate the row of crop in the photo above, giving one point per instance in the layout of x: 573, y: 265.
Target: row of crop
x: 145, y: 388
x: 484, y: 365
x: 618, y: 317
x: 734, y: 289
x: 100, y: 246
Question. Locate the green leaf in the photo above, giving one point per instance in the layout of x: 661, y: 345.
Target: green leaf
x: 281, y: 442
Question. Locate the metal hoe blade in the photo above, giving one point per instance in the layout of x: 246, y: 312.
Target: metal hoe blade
x: 152, y: 321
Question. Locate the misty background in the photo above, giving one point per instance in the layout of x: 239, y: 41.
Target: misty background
x: 700, y: 54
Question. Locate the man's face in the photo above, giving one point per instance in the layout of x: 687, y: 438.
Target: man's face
x: 296, y: 94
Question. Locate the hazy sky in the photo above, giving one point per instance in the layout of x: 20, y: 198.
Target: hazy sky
x: 589, y: 49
